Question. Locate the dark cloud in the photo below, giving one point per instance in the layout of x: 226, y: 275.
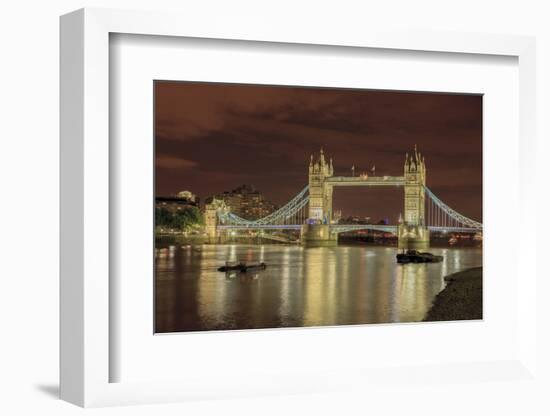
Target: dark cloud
x: 213, y: 137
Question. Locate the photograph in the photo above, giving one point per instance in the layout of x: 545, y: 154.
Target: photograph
x: 280, y: 206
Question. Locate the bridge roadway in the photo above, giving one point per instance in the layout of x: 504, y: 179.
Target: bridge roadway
x: 368, y: 181
x: 343, y: 228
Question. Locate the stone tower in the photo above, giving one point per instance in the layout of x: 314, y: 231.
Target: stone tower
x: 320, y: 196
x: 412, y: 231
x: 316, y: 232
x: 415, y: 181
x: 211, y: 211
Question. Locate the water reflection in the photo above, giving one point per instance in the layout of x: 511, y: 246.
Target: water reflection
x: 300, y: 287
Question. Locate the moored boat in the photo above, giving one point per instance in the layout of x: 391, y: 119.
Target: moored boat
x: 414, y: 256
x: 241, y: 267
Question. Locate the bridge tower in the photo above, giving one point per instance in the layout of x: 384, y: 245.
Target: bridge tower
x: 211, y: 221
x: 211, y: 211
x: 320, y: 195
x: 412, y: 231
x: 317, y: 230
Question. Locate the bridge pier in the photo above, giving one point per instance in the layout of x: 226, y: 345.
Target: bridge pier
x: 413, y: 237
x: 318, y: 235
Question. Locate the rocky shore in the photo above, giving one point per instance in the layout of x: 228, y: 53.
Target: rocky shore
x: 462, y: 298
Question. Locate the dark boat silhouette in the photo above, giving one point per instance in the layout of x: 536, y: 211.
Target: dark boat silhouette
x: 414, y: 256
x: 241, y: 267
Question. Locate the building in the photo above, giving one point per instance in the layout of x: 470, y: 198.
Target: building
x: 247, y: 202
x: 354, y: 219
x: 174, y: 203
x: 190, y: 196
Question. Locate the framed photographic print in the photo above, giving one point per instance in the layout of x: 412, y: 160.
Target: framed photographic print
x: 268, y: 213
x: 280, y: 206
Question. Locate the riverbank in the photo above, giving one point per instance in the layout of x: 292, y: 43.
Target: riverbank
x: 462, y: 298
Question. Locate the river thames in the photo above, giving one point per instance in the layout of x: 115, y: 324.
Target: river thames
x: 301, y: 287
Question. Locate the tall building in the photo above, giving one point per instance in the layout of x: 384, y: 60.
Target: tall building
x: 247, y: 202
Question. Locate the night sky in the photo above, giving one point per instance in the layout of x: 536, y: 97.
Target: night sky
x: 210, y: 138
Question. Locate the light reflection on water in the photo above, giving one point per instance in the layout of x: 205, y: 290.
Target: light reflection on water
x: 300, y: 287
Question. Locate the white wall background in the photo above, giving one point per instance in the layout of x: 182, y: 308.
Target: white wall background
x: 29, y: 206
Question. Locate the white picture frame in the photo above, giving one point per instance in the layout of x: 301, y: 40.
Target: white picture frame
x: 85, y: 221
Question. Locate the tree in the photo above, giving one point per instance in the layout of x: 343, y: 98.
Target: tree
x: 163, y: 217
x: 183, y: 219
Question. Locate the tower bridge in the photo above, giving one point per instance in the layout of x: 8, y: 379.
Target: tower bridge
x: 310, y: 211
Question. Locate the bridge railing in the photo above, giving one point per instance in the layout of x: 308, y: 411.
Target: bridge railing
x: 344, y: 228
